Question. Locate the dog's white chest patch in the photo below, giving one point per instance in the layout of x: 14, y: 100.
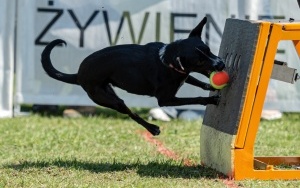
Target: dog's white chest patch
x: 162, y: 53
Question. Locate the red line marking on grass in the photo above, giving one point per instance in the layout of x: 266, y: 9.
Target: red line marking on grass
x: 165, y: 151
x: 228, y: 182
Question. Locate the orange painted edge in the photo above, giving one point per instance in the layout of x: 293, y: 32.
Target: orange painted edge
x: 252, y: 85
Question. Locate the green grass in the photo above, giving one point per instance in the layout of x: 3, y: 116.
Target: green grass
x: 108, y: 150
x: 280, y: 137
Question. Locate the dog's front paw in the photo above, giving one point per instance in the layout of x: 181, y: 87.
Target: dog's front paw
x: 215, y: 99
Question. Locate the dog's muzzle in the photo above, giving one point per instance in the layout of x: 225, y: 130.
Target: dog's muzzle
x: 219, y: 64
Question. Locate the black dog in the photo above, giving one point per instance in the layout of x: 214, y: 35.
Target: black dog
x: 155, y: 69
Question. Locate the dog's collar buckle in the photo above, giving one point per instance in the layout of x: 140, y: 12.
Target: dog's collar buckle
x: 180, y: 71
x: 161, y: 57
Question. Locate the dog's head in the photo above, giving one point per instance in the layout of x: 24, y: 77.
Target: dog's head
x: 192, y: 54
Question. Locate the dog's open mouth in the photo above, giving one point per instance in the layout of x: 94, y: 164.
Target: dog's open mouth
x: 208, y: 72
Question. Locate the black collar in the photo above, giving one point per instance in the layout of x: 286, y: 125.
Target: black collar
x: 170, y: 65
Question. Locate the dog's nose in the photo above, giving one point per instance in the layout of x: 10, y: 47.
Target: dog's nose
x: 220, y: 66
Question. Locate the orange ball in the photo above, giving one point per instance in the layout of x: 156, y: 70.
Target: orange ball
x: 219, y: 80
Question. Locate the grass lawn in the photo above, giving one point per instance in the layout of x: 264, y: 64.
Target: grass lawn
x: 109, y: 150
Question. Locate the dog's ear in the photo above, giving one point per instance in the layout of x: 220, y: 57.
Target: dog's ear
x: 197, y: 31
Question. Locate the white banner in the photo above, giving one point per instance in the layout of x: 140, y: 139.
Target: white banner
x: 280, y: 96
x: 88, y: 26
x: 7, y: 23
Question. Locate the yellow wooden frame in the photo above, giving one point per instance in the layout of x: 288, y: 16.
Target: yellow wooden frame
x: 245, y: 165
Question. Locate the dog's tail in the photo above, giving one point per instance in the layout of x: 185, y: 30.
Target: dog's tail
x: 50, y: 70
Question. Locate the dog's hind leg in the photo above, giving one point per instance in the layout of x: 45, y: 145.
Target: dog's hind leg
x: 105, y: 96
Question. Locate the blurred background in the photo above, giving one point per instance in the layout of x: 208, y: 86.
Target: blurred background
x: 26, y: 26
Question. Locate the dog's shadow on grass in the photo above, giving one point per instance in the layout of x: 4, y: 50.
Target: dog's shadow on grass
x: 166, y: 169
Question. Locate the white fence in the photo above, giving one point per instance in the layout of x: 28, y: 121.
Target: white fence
x: 91, y: 25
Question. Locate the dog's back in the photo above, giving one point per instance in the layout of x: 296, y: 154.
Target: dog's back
x: 131, y: 67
